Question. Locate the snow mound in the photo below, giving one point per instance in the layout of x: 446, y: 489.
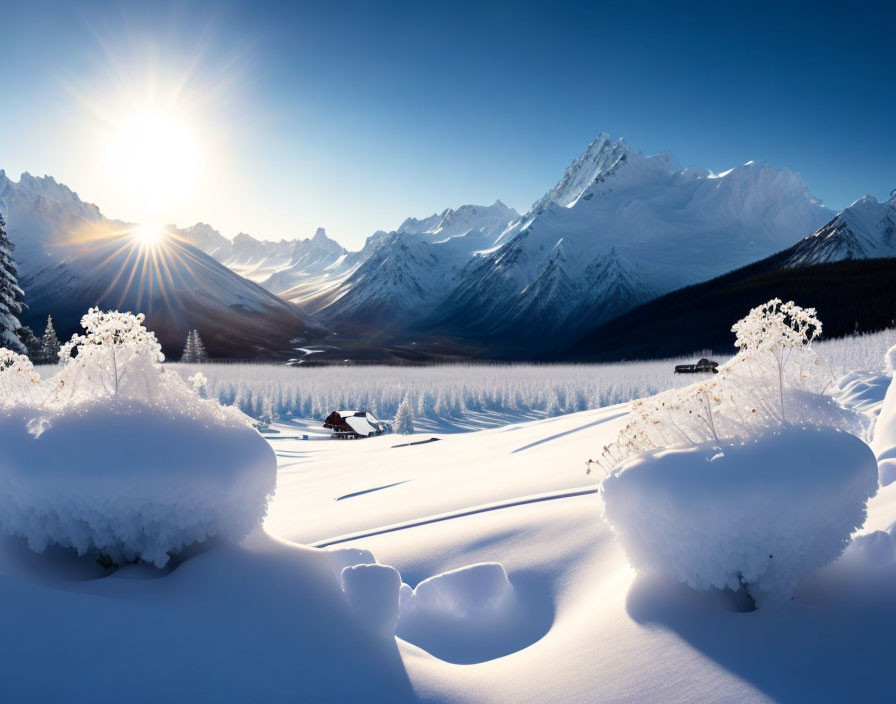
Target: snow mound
x: 886, y: 470
x: 116, y: 455
x: 349, y: 557
x: 128, y: 481
x: 877, y: 549
x: 462, y: 593
x: 761, y: 514
x: 474, y: 614
x: 372, y: 590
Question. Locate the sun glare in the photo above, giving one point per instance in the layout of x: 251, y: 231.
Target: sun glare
x: 154, y: 155
x: 148, y: 235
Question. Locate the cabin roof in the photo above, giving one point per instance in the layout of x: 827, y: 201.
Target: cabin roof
x: 360, y: 425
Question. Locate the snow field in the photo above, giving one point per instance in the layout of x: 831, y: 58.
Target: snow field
x: 266, y: 620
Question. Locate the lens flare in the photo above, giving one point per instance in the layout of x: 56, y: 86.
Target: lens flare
x: 148, y: 235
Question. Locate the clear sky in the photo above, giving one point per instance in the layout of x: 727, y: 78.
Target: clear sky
x: 276, y: 118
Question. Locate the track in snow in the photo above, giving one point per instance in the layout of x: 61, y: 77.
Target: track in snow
x: 454, y: 514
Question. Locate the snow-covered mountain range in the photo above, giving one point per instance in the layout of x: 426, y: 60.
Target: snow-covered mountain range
x: 864, y: 230
x: 275, y: 265
x: 395, y: 277
x: 401, y: 276
x: 619, y: 228
x: 71, y: 257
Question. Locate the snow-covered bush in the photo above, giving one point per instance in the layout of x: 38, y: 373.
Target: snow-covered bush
x: 115, y: 454
x: 18, y: 380
x: 759, y: 514
x: 733, y: 464
x: 775, y: 379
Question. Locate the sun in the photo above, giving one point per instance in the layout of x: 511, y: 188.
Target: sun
x: 153, y: 153
x: 148, y: 235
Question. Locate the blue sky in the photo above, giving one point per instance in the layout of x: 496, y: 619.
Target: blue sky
x: 353, y: 116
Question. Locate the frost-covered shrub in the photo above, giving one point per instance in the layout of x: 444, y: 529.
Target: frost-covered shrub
x: 732, y: 464
x: 18, y: 380
x: 759, y: 514
x: 775, y: 379
x: 117, y: 455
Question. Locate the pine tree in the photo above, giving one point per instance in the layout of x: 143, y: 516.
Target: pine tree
x: 404, y: 418
x: 49, y: 344
x: 29, y: 339
x: 11, y: 296
x: 189, y: 355
x: 199, y: 347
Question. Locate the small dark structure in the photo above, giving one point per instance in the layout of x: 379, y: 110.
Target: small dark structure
x: 704, y: 366
x: 354, y: 425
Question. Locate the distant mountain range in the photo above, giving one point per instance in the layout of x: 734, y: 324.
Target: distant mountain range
x: 71, y: 257
x: 619, y: 230
x: 845, y: 269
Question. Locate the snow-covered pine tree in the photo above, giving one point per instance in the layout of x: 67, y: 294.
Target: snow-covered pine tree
x: 49, y: 344
x: 189, y: 353
x: 29, y: 339
x: 404, y: 418
x: 199, y: 347
x: 11, y: 296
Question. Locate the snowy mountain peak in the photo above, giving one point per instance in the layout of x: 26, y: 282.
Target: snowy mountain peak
x: 621, y: 227
x: 488, y: 219
x: 864, y: 230
x: 602, y: 157
x: 44, y: 186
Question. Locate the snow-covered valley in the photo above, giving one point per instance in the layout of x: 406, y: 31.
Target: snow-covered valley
x: 469, y: 561
x: 266, y: 620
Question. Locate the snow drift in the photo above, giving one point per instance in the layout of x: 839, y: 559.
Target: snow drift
x: 128, y: 481
x: 467, y: 592
x: 763, y: 513
x: 372, y: 590
x: 884, y: 442
x: 113, y: 454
